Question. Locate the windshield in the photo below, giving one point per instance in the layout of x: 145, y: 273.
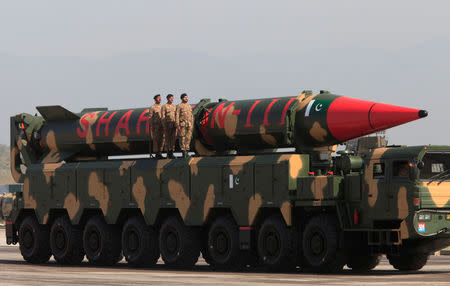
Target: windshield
x: 436, y: 166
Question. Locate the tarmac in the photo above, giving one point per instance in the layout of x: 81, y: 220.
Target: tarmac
x: 15, y: 271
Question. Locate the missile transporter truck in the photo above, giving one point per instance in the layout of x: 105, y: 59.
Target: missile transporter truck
x: 261, y: 188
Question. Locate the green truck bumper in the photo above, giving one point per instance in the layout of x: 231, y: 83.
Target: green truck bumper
x: 429, y: 222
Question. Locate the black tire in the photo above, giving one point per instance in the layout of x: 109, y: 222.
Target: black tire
x: 66, y: 242
x: 363, y: 262
x: 101, y: 242
x: 179, y: 245
x: 34, y: 241
x: 276, y: 245
x: 222, y: 249
x: 321, y: 245
x: 204, y: 246
x: 408, y: 261
x: 139, y: 242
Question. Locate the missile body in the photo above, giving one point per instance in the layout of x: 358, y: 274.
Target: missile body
x: 304, y: 122
x: 96, y: 133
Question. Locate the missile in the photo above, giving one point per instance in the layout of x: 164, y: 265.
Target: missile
x: 304, y: 122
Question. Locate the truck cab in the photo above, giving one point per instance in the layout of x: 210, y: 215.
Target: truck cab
x: 408, y: 188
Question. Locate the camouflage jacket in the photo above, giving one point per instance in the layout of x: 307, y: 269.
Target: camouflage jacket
x: 155, y: 115
x: 168, y: 114
x: 183, y: 115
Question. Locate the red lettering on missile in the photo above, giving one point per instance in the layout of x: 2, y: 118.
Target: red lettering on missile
x: 82, y: 132
x: 105, y: 121
x: 266, y: 114
x: 144, y: 117
x: 123, y: 123
x: 285, y: 109
x: 249, y: 114
x: 221, y: 113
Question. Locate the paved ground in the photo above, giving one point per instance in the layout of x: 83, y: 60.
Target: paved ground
x: 14, y: 271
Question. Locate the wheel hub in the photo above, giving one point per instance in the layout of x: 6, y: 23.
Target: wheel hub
x: 60, y: 240
x: 133, y: 241
x: 222, y: 243
x: 94, y: 241
x: 317, y: 244
x: 272, y: 244
x: 28, y: 239
x: 172, y: 242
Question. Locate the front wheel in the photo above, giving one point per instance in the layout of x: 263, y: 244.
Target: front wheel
x: 363, y: 262
x: 408, y: 261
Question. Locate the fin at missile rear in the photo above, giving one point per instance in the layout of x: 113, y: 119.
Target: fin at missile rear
x: 56, y: 113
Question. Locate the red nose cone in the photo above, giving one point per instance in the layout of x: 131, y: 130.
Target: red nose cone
x: 350, y: 118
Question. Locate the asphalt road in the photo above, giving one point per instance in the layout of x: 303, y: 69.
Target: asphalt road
x: 14, y: 271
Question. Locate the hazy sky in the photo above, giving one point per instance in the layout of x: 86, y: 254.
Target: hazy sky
x: 118, y: 54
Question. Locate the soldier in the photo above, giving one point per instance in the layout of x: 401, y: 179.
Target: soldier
x: 185, y: 123
x: 168, y: 120
x: 157, y: 130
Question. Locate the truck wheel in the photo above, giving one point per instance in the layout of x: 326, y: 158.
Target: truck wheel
x: 139, y: 243
x: 408, y: 261
x: 66, y: 242
x: 320, y: 244
x: 363, y: 262
x: 34, y: 241
x: 101, y: 242
x: 275, y: 245
x: 223, y: 250
x: 180, y: 245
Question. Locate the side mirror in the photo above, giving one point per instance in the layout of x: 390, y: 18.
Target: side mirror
x: 420, y: 165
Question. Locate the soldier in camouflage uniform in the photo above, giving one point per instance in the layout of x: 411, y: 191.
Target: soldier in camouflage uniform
x: 157, y: 130
x: 168, y: 120
x: 185, y: 123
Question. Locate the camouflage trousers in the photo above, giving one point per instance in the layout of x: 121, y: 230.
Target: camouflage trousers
x: 158, y: 138
x: 170, y: 138
x: 185, y: 136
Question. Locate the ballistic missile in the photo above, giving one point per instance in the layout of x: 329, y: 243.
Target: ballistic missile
x: 304, y: 122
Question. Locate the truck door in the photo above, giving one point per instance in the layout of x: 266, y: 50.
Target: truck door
x: 398, y: 188
x: 377, y: 180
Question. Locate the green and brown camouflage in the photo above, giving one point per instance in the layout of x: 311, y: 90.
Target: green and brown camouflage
x: 192, y: 186
x: 63, y: 162
x: 305, y: 122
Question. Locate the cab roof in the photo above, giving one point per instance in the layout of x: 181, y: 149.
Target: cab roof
x: 396, y: 152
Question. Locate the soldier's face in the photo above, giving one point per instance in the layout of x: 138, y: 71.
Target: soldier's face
x: 185, y: 99
x: 158, y: 100
x: 170, y: 99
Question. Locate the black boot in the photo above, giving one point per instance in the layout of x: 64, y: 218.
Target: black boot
x: 158, y: 155
x: 170, y: 155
